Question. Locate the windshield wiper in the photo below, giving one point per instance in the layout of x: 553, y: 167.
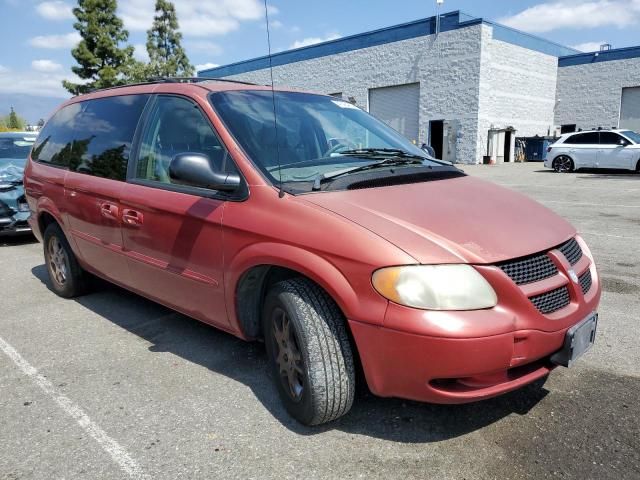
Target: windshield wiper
x: 381, y: 152
x: 395, y: 160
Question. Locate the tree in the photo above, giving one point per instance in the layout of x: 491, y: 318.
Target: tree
x: 100, y: 58
x: 167, y: 58
x: 14, y: 122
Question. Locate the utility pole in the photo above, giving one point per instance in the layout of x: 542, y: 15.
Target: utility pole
x: 438, y: 5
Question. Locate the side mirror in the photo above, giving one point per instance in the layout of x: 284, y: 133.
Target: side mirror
x: 195, y: 170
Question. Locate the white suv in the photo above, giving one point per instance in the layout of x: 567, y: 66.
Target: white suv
x: 595, y: 149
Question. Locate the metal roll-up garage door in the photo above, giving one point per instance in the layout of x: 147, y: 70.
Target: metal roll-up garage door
x: 630, y: 109
x: 398, y: 107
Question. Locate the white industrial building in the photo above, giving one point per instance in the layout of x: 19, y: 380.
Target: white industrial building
x: 468, y: 89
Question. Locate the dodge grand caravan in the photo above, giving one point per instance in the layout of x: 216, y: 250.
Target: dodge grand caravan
x: 319, y: 230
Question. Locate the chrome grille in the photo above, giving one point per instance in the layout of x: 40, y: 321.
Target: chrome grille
x: 571, y: 250
x: 551, y: 301
x: 585, y: 281
x: 529, y: 269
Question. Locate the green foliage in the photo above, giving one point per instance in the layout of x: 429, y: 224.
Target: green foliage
x: 138, y: 72
x: 101, y: 59
x: 12, y: 122
x: 167, y: 58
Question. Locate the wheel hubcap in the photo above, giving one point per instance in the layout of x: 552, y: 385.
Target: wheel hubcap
x: 288, y: 357
x: 563, y: 164
x: 57, y: 261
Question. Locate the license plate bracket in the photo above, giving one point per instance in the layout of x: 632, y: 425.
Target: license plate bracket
x: 577, y: 341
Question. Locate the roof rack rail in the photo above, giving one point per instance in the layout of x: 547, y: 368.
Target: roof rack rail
x: 196, y: 80
x: 157, y: 80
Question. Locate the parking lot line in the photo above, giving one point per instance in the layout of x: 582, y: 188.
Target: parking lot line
x: 608, y: 235
x: 544, y: 200
x: 112, y: 447
x: 556, y: 187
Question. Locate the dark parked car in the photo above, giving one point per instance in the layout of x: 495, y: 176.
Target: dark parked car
x: 14, y: 210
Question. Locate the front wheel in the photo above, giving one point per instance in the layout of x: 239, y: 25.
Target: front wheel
x: 563, y: 164
x: 309, y: 351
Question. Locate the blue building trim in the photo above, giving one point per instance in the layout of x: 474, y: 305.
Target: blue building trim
x: 418, y: 28
x: 597, y: 57
x: 526, y: 40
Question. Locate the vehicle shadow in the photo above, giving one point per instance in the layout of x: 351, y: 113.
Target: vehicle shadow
x: 596, y: 173
x: 385, y: 418
x: 15, y: 240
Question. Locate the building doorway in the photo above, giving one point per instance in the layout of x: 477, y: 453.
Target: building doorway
x: 508, y: 151
x: 501, y: 145
x: 436, y: 135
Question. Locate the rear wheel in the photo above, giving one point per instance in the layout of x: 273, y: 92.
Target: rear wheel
x: 563, y: 164
x: 68, y: 279
x: 309, y: 351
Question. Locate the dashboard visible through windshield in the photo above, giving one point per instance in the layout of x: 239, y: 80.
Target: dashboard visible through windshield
x: 315, y: 134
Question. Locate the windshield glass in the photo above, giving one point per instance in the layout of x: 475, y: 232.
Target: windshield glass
x: 312, y: 132
x: 635, y: 136
x: 15, y: 149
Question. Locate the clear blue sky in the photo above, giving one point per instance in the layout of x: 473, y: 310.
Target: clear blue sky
x: 37, y: 35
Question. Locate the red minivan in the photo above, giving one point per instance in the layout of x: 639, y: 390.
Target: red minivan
x: 301, y: 220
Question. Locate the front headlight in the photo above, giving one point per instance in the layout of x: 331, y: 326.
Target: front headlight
x: 435, y: 287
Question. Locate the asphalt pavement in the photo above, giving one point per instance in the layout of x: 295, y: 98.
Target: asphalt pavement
x: 113, y: 386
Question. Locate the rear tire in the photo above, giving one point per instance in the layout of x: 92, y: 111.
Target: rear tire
x: 309, y: 351
x: 563, y: 164
x: 68, y: 279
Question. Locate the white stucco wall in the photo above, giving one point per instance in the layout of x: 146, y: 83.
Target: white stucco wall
x: 517, y: 89
x: 589, y: 94
x: 448, y: 69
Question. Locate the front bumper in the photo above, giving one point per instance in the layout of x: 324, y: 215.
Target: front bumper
x: 459, y: 357
x: 16, y: 224
x: 452, y: 370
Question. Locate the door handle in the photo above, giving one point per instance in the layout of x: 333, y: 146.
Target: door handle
x: 132, y: 217
x: 109, y: 210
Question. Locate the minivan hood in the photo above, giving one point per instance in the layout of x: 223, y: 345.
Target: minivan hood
x: 454, y: 220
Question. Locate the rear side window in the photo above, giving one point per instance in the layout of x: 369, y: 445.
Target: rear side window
x: 583, y: 138
x: 611, y: 138
x: 92, y: 137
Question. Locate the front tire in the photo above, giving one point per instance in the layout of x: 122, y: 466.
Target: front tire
x: 68, y: 279
x: 563, y: 164
x: 309, y: 351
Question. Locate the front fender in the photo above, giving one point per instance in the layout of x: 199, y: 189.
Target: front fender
x: 369, y: 308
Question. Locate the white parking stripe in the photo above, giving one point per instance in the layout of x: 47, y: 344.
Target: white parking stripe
x: 560, y: 187
x: 587, y: 204
x: 113, y: 448
x: 607, y: 235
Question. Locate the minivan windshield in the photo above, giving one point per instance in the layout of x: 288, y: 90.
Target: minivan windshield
x: 635, y: 136
x: 316, y: 134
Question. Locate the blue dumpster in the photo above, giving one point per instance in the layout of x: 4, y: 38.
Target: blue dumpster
x: 535, y: 148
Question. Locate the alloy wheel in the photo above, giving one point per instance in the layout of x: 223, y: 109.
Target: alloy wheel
x: 58, y: 264
x: 563, y: 164
x: 288, y: 356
